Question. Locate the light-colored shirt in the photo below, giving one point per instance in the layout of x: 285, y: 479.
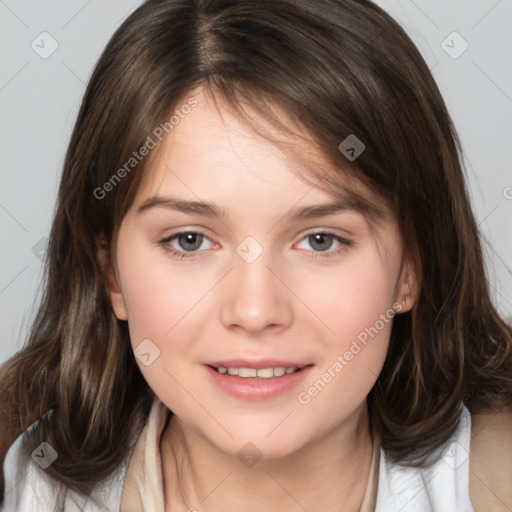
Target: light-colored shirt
x: 143, y: 488
x: 442, y: 487
x: 137, y: 484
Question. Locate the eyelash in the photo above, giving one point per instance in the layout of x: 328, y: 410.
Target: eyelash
x: 344, y: 245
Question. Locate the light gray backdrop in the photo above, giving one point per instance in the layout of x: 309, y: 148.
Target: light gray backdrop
x: 48, y: 49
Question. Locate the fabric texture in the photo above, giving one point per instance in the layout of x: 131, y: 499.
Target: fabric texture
x: 441, y: 487
x: 137, y: 485
x: 143, y: 485
x: 29, y: 488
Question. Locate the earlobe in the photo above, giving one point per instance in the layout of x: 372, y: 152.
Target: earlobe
x: 407, y: 288
x: 117, y: 299
x: 116, y: 296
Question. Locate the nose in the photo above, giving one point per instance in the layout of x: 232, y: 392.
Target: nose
x: 256, y: 298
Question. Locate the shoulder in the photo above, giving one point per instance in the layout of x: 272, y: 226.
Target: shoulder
x: 440, y: 485
x: 29, y: 487
x: 490, y: 478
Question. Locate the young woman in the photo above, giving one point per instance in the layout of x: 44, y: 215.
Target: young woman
x: 265, y: 287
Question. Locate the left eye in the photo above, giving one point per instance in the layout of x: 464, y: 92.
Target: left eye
x: 188, y: 241
x: 322, y: 242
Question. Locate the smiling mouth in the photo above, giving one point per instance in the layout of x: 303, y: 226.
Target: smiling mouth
x: 258, y: 373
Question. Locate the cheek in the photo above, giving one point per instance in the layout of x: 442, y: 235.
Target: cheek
x: 157, y: 295
x: 142, y: 288
x: 158, y: 303
x: 352, y: 298
x: 356, y: 306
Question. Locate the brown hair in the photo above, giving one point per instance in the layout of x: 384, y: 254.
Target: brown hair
x: 337, y: 67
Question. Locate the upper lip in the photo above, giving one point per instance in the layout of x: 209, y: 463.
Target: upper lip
x: 261, y: 363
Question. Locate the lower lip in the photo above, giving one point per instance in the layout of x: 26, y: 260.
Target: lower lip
x: 254, y: 388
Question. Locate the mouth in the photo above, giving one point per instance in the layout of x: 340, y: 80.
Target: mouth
x: 269, y: 372
x: 244, y: 381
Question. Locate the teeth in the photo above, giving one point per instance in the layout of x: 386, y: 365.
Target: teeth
x: 262, y: 373
x: 279, y: 371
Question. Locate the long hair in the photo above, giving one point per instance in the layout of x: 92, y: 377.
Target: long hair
x: 336, y: 67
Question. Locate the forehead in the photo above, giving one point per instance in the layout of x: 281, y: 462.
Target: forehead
x: 215, y: 148
x: 212, y: 142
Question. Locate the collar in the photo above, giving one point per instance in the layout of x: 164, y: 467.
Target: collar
x: 143, y: 489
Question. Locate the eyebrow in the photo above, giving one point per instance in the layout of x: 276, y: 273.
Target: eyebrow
x: 212, y: 210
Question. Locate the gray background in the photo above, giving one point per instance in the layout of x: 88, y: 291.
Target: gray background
x: 39, y: 99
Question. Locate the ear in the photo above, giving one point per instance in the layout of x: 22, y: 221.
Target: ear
x: 407, y: 287
x: 116, y: 296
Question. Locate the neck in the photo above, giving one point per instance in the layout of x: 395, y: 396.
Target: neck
x: 329, y: 474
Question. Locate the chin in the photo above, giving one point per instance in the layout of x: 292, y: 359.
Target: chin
x: 261, y: 446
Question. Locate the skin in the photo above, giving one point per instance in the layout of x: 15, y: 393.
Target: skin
x: 287, y: 304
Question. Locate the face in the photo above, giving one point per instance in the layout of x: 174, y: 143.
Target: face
x: 254, y: 288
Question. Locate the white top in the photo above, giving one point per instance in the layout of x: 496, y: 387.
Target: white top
x: 442, y: 487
